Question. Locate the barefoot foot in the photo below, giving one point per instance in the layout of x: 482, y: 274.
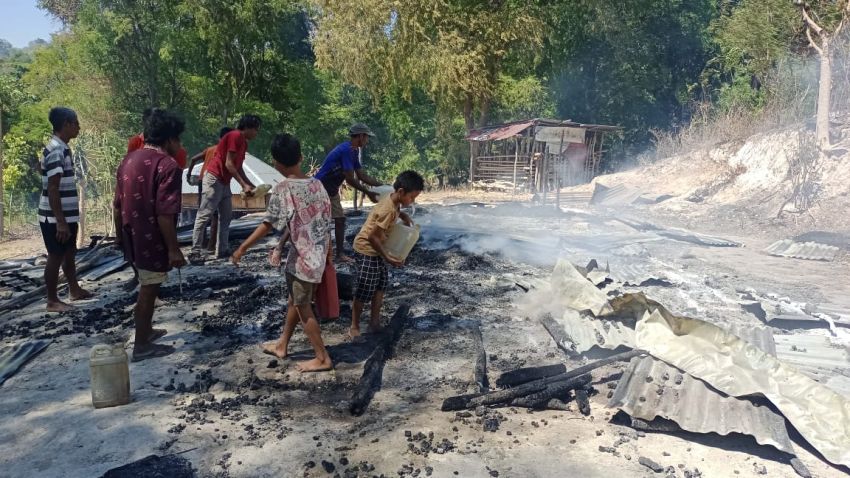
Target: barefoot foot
x: 354, y: 334
x: 59, y: 306
x: 81, y: 294
x: 315, y: 365
x: 275, y: 348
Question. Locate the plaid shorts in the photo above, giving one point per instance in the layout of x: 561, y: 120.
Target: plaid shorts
x: 372, y: 275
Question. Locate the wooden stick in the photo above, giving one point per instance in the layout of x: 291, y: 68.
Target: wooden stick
x: 519, y: 376
x: 374, y: 368
x: 480, y: 372
x: 452, y: 403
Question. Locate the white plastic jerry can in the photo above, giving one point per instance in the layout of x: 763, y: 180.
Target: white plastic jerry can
x: 110, y: 376
x: 383, y: 191
x: 401, y: 240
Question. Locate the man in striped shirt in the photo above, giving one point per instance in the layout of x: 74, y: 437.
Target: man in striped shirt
x: 59, y: 209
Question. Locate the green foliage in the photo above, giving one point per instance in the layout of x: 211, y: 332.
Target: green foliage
x: 634, y: 63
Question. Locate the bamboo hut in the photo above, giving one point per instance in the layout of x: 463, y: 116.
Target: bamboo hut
x: 536, y: 155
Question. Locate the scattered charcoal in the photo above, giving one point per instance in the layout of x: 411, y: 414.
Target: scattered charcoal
x: 328, y: 466
x: 272, y: 364
x: 607, y: 449
x: 650, y: 464
x: 491, y: 425
x: 800, y: 468
x: 759, y: 469
x: 519, y: 376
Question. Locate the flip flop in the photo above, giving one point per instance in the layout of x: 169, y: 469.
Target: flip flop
x: 155, y: 350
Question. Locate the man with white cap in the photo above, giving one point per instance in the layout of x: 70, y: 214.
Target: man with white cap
x: 343, y: 164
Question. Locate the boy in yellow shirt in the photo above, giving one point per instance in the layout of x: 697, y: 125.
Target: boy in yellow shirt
x: 370, y: 255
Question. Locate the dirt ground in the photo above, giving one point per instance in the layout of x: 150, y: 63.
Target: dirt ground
x: 231, y: 411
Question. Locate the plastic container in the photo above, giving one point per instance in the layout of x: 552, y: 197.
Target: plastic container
x: 401, y: 240
x: 327, y: 294
x: 110, y: 376
x: 383, y: 191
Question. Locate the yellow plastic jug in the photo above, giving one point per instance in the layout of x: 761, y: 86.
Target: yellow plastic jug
x: 401, y: 240
x: 110, y: 376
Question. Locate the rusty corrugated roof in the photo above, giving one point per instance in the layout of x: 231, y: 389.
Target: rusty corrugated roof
x: 508, y: 130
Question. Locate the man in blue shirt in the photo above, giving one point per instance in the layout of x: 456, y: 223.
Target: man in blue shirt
x: 343, y: 164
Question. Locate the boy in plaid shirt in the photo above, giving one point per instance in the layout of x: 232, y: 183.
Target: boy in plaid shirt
x: 371, y: 257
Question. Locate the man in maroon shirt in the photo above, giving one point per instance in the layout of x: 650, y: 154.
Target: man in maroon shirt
x: 147, y: 202
x: 225, y: 166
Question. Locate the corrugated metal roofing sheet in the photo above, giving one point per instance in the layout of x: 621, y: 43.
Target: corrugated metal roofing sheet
x: 818, y: 357
x: 811, y: 251
x: 650, y: 388
x: 507, y: 130
x: 496, y: 133
x: 583, y: 333
x: 256, y: 170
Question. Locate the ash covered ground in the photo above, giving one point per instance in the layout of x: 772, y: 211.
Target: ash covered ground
x: 230, y: 411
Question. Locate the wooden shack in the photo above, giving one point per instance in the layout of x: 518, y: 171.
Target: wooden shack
x: 536, y: 155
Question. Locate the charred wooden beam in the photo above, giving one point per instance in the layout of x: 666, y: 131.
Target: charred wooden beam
x: 501, y: 396
x: 562, y: 340
x: 519, y: 376
x: 480, y: 372
x: 583, y: 401
x: 540, y: 400
x: 374, y: 368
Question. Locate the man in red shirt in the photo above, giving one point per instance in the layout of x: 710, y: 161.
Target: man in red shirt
x: 226, y: 165
x: 138, y: 141
x: 146, y: 205
x: 206, y: 157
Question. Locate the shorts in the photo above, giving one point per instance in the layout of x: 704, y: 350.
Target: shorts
x: 372, y: 276
x: 301, y: 291
x: 48, y: 233
x: 151, y: 277
x: 337, y: 212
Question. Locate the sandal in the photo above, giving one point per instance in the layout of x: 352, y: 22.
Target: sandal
x: 152, y: 351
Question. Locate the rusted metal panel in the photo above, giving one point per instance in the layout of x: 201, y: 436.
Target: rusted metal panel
x: 500, y: 132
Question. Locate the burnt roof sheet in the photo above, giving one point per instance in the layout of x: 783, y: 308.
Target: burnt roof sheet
x: 509, y: 130
x: 651, y: 388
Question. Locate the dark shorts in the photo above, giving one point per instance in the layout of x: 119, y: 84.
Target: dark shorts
x: 372, y: 276
x: 48, y: 232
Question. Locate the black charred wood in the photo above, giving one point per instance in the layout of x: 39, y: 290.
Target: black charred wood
x: 373, y: 369
x: 519, y: 376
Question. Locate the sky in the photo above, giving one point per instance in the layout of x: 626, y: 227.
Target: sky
x: 22, y: 22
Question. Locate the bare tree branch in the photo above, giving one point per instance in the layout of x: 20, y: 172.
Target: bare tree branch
x: 812, y: 42
x: 811, y: 23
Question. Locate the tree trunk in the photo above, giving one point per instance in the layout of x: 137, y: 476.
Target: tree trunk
x: 484, y: 117
x: 824, y: 95
x: 467, y: 112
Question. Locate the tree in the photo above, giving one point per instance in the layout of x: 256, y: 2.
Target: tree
x: 824, y: 22
x: 11, y: 95
x: 452, y: 50
x: 65, y: 10
x: 634, y: 64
